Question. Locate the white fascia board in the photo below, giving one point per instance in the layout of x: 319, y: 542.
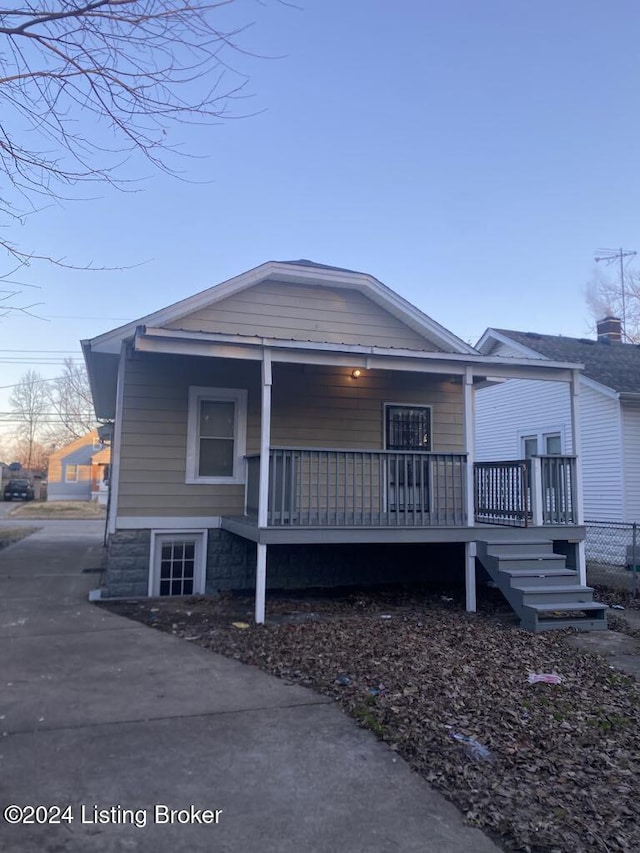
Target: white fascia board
x: 273, y: 270
x: 598, y: 386
x: 176, y: 341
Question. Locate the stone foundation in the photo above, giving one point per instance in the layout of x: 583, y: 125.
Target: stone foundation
x: 128, y: 564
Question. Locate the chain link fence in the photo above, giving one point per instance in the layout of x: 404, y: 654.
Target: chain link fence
x: 613, y: 555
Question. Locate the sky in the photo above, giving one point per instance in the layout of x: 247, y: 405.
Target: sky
x: 472, y: 156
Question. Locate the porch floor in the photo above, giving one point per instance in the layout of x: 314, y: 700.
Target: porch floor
x: 247, y: 527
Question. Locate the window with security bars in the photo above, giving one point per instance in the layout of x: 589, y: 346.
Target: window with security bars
x: 177, y: 567
x: 408, y: 428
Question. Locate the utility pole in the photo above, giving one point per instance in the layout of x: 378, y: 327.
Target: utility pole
x: 609, y: 256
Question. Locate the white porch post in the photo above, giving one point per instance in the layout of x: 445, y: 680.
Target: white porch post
x: 470, y: 550
x: 469, y: 444
x: 576, y: 437
x: 263, y: 490
x: 537, y: 497
x: 261, y: 582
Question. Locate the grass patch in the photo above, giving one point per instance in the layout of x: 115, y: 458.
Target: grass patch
x: 9, y: 535
x: 58, y: 510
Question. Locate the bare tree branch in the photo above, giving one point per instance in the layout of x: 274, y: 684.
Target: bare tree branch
x: 28, y: 401
x: 86, y: 85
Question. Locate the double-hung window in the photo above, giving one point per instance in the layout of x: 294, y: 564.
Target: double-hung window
x: 216, y: 435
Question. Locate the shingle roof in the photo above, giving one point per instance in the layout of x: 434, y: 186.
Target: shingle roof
x: 615, y: 365
x: 303, y: 262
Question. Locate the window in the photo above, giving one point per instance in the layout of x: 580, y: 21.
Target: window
x: 216, y: 435
x: 548, y: 443
x: 177, y: 563
x: 408, y: 427
x: 71, y: 474
x: 553, y: 444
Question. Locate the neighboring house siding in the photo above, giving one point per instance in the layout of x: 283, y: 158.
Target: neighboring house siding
x: 303, y: 313
x: 507, y: 412
x: 631, y: 442
x: 601, y: 456
x: 311, y: 407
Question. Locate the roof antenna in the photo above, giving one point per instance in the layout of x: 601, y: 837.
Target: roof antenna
x: 609, y: 256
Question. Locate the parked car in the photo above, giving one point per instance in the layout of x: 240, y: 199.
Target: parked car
x: 21, y: 489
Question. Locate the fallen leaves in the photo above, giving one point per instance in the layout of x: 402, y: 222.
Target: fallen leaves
x: 447, y: 690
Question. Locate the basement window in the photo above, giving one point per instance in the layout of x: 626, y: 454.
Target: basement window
x: 177, y: 564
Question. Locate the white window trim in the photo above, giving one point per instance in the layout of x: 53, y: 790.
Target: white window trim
x: 200, y: 571
x: 540, y: 435
x: 197, y: 394
x: 67, y: 478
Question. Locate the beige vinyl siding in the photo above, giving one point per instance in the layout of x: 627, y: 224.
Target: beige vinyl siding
x: 154, y: 435
x: 311, y: 407
x: 303, y: 313
x: 326, y: 407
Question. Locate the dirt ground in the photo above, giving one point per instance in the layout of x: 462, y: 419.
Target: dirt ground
x: 540, y: 766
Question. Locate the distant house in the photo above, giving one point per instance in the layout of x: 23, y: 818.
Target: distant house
x: 79, y: 471
x: 303, y: 425
x: 517, y: 420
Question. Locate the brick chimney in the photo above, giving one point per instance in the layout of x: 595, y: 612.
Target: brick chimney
x: 609, y: 330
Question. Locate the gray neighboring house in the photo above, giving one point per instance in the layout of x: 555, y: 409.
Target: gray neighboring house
x: 304, y: 425
x: 517, y: 420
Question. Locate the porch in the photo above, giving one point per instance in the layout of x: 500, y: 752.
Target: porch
x: 330, y: 488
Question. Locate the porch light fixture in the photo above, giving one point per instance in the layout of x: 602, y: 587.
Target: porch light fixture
x: 356, y: 372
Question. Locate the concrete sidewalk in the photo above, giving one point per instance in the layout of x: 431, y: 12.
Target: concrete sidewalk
x: 105, y: 715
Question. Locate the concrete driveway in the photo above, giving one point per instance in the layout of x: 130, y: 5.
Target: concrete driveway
x: 109, y: 725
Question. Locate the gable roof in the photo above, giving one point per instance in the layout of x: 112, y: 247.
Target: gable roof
x: 300, y: 271
x: 76, y: 444
x: 615, y: 365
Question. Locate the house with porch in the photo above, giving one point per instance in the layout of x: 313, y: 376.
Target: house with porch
x: 303, y: 425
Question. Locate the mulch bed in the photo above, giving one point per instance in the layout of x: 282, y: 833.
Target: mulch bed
x: 539, y: 766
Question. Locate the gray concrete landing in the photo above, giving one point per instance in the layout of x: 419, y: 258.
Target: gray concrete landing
x: 113, y: 718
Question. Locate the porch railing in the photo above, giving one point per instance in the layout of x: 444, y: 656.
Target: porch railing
x: 313, y: 487
x: 558, y: 499
x: 345, y: 488
x: 501, y: 493
x: 539, y: 491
